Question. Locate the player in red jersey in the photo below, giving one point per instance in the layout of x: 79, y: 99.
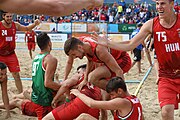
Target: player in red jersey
x: 115, y: 63
x: 126, y: 106
x: 71, y: 110
x: 75, y: 107
x: 7, y: 45
x: 30, y: 36
x: 48, y: 7
x: 166, y: 32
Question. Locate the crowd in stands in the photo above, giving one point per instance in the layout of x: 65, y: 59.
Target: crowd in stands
x: 111, y: 13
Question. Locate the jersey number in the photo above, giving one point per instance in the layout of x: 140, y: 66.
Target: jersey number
x: 34, y: 68
x: 162, y: 35
x: 4, y: 32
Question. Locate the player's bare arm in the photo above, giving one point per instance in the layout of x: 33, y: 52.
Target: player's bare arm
x: 126, y: 45
x: 114, y: 104
x: 48, y: 7
x: 27, y: 28
x: 50, y: 63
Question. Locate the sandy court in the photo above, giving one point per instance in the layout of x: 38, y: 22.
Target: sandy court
x: 147, y: 94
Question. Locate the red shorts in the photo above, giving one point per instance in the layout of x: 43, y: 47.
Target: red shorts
x: 169, y: 91
x: 11, y: 61
x: 75, y: 107
x: 31, y: 109
x: 31, y: 45
x: 124, y: 63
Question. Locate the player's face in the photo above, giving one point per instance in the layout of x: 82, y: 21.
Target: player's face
x: 3, y: 74
x: 79, y: 53
x: 8, y: 18
x: 164, y: 7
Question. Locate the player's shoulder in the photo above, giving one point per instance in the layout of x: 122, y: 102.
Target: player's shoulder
x: 51, y: 58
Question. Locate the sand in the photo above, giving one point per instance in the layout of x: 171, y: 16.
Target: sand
x: 147, y: 94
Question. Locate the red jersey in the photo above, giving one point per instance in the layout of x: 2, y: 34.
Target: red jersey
x: 117, y: 54
x: 30, y: 36
x: 7, y: 39
x: 167, y: 46
x: 177, y: 8
x: 135, y: 113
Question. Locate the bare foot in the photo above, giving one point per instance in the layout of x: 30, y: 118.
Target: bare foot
x: 27, y: 95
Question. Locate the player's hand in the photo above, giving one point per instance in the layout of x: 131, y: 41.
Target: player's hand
x: 100, y: 39
x: 74, y: 92
x: 37, y: 22
x: 82, y: 84
x: 96, y: 3
x: 54, y: 103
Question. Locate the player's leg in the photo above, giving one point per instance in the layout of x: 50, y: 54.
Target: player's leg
x: 17, y: 81
x: 14, y: 68
x: 167, y: 95
x: 98, y: 75
x: 13, y: 65
x: 139, y: 66
x: 137, y: 58
x: 30, y: 53
x: 30, y: 47
x: 167, y: 112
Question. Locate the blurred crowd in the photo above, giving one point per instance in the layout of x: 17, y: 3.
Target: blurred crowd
x: 111, y: 13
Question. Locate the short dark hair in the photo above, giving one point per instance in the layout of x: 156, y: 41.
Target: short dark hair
x: 2, y: 66
x: 83, y: 66
x: 43, y: 40
x: 71, y: 44
x: 2, y: 13
x: 115, y: 83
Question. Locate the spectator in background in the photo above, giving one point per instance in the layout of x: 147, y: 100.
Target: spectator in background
x: 138, y: 49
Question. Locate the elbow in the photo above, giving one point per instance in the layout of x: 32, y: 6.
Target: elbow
x: 119, y: 72
x: 47, y: 84
x: 91, y: 104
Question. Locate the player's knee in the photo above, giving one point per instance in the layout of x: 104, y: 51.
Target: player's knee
x: 167, y: 112
x: 15, y: 74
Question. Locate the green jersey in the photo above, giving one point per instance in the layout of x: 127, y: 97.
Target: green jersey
x: 40, y: 94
